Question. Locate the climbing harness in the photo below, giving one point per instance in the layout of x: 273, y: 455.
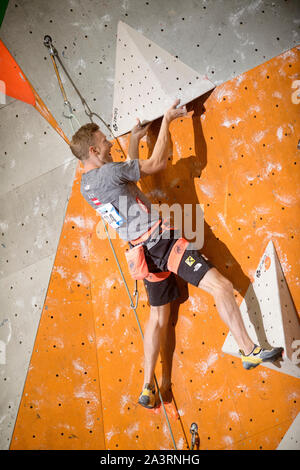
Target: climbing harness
x: 137, y: 264
x: 54, y: 55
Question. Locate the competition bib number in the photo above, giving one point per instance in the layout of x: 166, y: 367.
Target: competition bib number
x: 110, y: 215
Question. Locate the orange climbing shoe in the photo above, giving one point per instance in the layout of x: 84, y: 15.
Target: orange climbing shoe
x: 147, y: 397
x: 259, y: 355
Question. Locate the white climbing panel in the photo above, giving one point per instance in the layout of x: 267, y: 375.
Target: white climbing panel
x: 148, y: 80
x: 291, y: 440
x: 270, y: 316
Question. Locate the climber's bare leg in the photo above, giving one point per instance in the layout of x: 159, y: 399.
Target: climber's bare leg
x: 155, y: 340
x: 222, y: 291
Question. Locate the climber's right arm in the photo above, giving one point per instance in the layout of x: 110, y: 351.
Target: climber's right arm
x: 158, y: 159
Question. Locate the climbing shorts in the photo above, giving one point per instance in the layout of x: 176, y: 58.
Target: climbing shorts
x: 169, y: 256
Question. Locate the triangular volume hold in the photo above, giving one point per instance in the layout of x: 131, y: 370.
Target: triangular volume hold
x: 269, y: 314
x: 291, y: 440
x: 148, y: 80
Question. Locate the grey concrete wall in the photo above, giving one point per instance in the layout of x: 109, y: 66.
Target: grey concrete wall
x: 220, y: 38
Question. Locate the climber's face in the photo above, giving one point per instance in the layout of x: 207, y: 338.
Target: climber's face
x: 101, y: 149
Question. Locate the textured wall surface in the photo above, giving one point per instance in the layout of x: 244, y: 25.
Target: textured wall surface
x: 244, y: 147
x: 88, y: 353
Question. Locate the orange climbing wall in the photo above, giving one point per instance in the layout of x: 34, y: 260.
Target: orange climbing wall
x: 238, y: 156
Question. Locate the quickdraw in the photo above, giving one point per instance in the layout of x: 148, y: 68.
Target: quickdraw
x: 195, y: 436
x: 67, y: 105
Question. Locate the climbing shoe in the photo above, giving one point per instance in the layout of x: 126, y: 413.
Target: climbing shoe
x: 147, y: 397
x: 259, y: 355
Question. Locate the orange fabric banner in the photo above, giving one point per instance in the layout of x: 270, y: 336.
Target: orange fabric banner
x: 16, y: 85
x: 44, y: 111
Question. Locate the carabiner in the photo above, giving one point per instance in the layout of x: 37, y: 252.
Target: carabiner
x: 195, y: 435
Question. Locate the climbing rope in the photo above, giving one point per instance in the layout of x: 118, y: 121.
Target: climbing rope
x: 54, y: 55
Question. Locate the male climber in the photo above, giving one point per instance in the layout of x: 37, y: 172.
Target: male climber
x: 110, y: 188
